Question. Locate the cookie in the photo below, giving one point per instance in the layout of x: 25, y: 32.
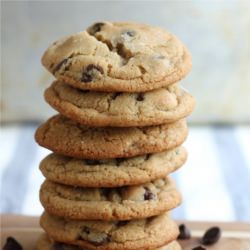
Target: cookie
x: 124, y: 203
x: 45, y: 243
x: 118, y: 57
x: 141, y: 234
x: 99, y: 109
x: 112, y: 172
x: 66, y: 137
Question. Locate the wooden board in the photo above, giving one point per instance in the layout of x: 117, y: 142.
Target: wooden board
x: 236, y: 236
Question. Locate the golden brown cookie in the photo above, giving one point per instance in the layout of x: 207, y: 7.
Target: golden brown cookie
x: 101, y: 109
x: 124, y: 203
x: 69, y: 138
x: 141, y: 234
x: 45, y: 243
x: 112, y: 172
x: 113, y: 57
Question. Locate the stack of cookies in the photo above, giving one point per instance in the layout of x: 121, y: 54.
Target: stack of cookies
x: 116, y: 139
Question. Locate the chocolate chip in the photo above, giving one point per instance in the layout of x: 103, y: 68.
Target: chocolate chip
x: 106, y: 191
x: 184, y: 232
x: 119, y: 161
x: 148, y: 195
x: 147, y: 157
x: 127, y: 35
x: 122, y: 223
x: 95, y: 28
x: 140, y: 97
x: 94, y: 237
x: 90, y: 72
x: 92, y: 67
x: 84, y: 91
x: 58, y: 246
x: 86, y: 77
x: 199, y: 248
x: 114, y: 95
x: 211, y: 236
x: 86, y: 230
x: 92, y: 162
x: 12, y: 244
x: 131, y: 33
x: 59, y: 65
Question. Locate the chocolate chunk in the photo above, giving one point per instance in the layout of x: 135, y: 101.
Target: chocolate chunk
x: 90, y: 72
x: 184, y: 232
x: 114, y: 95
x: 211, y: 236
x: 199, y: 248
x: 148, y: 195
x: 95, y: 28
x: 12, y: 244
x: 92, y: 162
x: 59, y: 65
x: 140, y: 97
x: 58, y: 246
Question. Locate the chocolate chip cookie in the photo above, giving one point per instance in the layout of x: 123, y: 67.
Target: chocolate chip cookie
x: 118, y: 57
x: 141, y: 234
x: 66, y: 137
x: 102, y: 109
x: 124, y: 203
x: 112, y: 172
x: 45, y: 243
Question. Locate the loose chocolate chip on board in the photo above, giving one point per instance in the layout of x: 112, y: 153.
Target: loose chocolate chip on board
x: 184, y: 232
x: 148, y: 195
x: 12, y: 244
x: 199, y: 248
x: 90, y: 72
x: 95, y: 28
x: 211, y: 236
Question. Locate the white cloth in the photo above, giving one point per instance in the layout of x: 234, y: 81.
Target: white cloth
x: 215, y: 181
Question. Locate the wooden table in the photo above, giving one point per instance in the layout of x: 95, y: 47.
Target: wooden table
x: 235, y: 236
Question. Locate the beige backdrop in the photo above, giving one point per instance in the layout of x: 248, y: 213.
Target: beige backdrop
x: 216, y: 32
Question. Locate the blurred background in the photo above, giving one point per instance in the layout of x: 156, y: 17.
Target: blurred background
x: 215, y: 181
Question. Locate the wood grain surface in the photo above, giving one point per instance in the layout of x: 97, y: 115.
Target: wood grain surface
x: 235, y: 236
